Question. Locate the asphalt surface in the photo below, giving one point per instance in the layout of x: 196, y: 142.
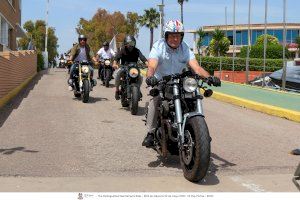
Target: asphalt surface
x: 50, y: 141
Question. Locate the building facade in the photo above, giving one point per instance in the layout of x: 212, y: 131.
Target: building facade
x: 274, y: 29
x: 10, y: 24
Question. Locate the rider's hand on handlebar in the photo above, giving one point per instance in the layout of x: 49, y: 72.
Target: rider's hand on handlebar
x: 215, y: 81
x: 151, y: 81
x: 70, y: 62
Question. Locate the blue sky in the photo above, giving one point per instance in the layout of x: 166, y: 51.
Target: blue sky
x: 65, y: 14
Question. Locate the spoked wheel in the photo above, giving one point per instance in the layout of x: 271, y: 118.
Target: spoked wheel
x: 195, y: 152
x: 107, y: 77
x: 86, y: 91
x: 134, y: 102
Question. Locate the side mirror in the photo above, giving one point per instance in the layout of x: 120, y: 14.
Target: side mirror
x: 208, y: 93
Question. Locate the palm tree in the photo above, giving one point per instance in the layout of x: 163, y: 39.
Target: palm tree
x: 201, y: 35
x: 219, y: 44
x: 181, y: 8
x: 151, y: 20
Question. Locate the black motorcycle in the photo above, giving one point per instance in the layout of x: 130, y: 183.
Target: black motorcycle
x: 296, y: 178
x: 106, y: 72
x: 130, y: 88
x: 82, y: 82
x: 182, y: 129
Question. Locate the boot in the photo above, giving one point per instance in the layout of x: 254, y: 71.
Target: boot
x: 148, y: 141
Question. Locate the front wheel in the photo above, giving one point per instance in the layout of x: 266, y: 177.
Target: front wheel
x: 195, y: 152
x: 86, y: 91
x: 134, y: 101
x: 107, y: 77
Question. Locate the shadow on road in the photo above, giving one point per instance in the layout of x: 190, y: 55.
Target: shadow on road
x: 170, y: 161
x: 96, y: 99
x: 14, y: 150
x: 16, y: 101
x: 210, y: 179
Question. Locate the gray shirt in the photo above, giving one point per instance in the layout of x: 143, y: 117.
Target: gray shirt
x: 82, y: 55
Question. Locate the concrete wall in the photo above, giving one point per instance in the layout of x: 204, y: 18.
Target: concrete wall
x: 15, y: 68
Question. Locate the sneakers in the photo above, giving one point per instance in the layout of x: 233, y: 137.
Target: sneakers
x: 70, y: 88
x: 148, y: 141
x: 117, y: 95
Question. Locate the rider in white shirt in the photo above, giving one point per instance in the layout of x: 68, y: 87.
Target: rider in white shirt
x: 104, y: 53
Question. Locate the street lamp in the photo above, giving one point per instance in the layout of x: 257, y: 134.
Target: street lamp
x: 46, y: 39
x: 161, y: 10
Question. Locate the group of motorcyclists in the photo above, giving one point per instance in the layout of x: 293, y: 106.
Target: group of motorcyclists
x: 169, y: 55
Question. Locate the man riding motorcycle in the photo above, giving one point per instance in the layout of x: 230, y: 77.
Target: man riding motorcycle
x: 168, y: 56
x: 128, y: 54
x: 81, y: 52
x: 104, y: 53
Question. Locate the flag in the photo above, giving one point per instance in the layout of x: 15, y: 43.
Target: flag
x: 113, y: 44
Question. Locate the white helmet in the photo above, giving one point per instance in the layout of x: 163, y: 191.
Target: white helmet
x: 174, y: 26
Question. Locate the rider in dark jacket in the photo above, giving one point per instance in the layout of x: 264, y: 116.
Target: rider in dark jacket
x: 128, y: 54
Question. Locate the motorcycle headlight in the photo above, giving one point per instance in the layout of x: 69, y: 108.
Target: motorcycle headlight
x: 85, y: 69
x: 107, y: 62
x: 133, y: 72
x: 190, y: 85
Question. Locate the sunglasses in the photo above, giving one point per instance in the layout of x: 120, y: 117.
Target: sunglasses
x: 83, y: 39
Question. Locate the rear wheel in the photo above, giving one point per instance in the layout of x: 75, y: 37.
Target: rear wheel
x: 195, y: 153
x: 134, y: 102
x: 86, y: 91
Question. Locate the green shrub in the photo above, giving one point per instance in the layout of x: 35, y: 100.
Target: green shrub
x: 40, y: 61
x: 274, y: 51
x: 212, y: 64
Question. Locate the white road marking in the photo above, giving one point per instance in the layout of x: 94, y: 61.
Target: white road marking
x: 248, y: 184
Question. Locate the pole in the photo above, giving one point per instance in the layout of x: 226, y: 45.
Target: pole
x: 284, y: 45
x: 234, y: 39
x: 161, y: 9
x: 249, y: 43
x: 226, y: 21
x: 46, y: 38
x: 265, y: 41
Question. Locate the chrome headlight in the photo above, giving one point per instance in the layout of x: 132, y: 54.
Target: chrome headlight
x: 107, y: 62
x: 85, y: 69
x: 190, y: 84
x: 134, y: 72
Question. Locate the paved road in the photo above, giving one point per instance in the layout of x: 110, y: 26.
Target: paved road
x: 50, y: 141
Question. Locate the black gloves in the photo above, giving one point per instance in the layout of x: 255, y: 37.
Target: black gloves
x: 215, y: 81
x: 151, y: 81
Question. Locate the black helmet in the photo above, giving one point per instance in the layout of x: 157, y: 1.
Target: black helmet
x: 105, y: 44
x: 129, y: 41
x: 82, y: 37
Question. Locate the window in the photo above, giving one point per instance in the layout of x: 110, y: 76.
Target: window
x: 279, y: 35
x: 244, y: 37
x: 3, y: 32
x: 238, y: 38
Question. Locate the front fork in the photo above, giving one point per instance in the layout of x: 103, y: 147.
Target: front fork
x: 180, y: 119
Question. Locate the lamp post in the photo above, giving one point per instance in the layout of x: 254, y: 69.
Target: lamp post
x: 46, y: 38
x: 161, y: 10
x: 284, y: 45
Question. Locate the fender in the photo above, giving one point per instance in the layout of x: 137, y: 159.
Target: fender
x: 185, y: 117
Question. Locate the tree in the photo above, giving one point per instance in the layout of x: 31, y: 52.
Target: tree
x: 36, y: 33
x: 151, y: 20
x: 201, y: 35
x: 104, y: 25
x: 219, y: 45
x: 181, y: 8
x: 270, y: 40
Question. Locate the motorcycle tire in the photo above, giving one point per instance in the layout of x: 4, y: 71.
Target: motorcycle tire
x: 134, y: 102
x: 107, y: 77
x: 197, y: 168
x: 86, y: 91
x: 77, y: 95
